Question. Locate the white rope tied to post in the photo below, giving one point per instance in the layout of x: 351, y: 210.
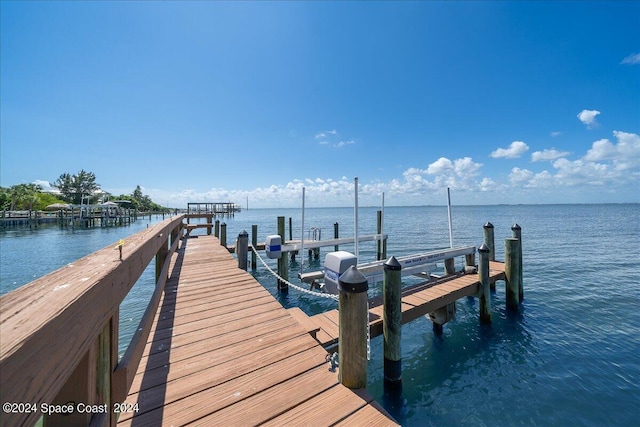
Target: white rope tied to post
x: 296, y: 287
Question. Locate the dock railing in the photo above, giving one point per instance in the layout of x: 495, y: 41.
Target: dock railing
x: 59, y: 334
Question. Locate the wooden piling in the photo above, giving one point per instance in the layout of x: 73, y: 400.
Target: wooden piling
x: 216, y: 228
x: 450, y: 266
x: 353, y: 328
x: 209, y: 220
x: 489, y: 241
x: 254, y: 242
x: 484, y: 293
x: 283, y: 261
x: 335, y: 235
x: 392, y: 317
x: 223, y: 234
x: 242, y: 248
x: 470, y: 260
x: 517, y: 233
x: 512, y: 272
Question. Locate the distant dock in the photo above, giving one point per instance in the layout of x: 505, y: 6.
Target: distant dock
x: 75, y: 216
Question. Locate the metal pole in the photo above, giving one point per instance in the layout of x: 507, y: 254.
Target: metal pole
x: 302, y: 236
x: 449, y: 211
x: 355, y: 218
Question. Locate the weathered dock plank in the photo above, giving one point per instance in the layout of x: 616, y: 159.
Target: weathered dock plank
x: 223, y: 351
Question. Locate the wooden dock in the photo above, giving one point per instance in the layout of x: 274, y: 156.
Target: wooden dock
x: 213, y: 347
x: 223, y: 351
x: 418, y: 300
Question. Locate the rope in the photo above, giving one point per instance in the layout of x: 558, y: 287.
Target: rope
x: 296, y: 287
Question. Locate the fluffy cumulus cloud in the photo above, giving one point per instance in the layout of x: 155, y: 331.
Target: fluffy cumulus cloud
x: 624, y: 155
x: 606, y: 163
x: 460, y: 174
x: 525, y: 178
x: 632, y: 59
x: 588, y: 117
x: 514, y: 150
x: 547, y: 155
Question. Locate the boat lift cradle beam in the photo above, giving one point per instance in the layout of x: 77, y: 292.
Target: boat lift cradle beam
x: 411, y: 264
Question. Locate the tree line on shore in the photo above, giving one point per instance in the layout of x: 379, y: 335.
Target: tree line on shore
x: 80, y: 188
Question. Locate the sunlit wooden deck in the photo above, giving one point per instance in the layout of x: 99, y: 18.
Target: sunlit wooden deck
x: 223, y: 351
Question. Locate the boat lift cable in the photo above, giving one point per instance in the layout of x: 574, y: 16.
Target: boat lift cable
x: 296, y: 287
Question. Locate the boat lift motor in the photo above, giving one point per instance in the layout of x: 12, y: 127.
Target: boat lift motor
x: 336, y: 263
x: 273, y: 246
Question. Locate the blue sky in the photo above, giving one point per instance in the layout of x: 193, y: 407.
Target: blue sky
x: 504, y: 102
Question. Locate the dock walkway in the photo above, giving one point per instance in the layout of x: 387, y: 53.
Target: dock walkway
x: 223, y: 351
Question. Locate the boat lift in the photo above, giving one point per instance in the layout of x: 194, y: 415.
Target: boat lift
x: 414, y: 264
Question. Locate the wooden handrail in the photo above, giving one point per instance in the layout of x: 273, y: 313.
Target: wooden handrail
x: 52, y: 327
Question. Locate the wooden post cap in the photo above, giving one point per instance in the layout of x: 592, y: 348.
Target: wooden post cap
x: 516, y: 227
x: 484, y: 248
x: 392, y: 264
x: 353, y: 282
x: 488, y: 225
x: 243, y: 233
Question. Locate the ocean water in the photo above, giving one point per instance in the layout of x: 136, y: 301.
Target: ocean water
x: 569, y: 357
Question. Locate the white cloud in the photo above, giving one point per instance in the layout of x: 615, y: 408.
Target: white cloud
x: 527, y: 179
x: 547, y: 155
x: 634, y: 58
x: 515, y: 149
x: 624, y: 155
x: 602, y: 149
x: 440, y: 166
x: 324, y: 134
x: 328, y: 137
x: 588, y: 117
x: 459, y: 174
x: 556, y: 133
x: 466, y: 167
x: 343, y: 143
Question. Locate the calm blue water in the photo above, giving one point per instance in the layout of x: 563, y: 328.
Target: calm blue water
x: 570, y: 356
